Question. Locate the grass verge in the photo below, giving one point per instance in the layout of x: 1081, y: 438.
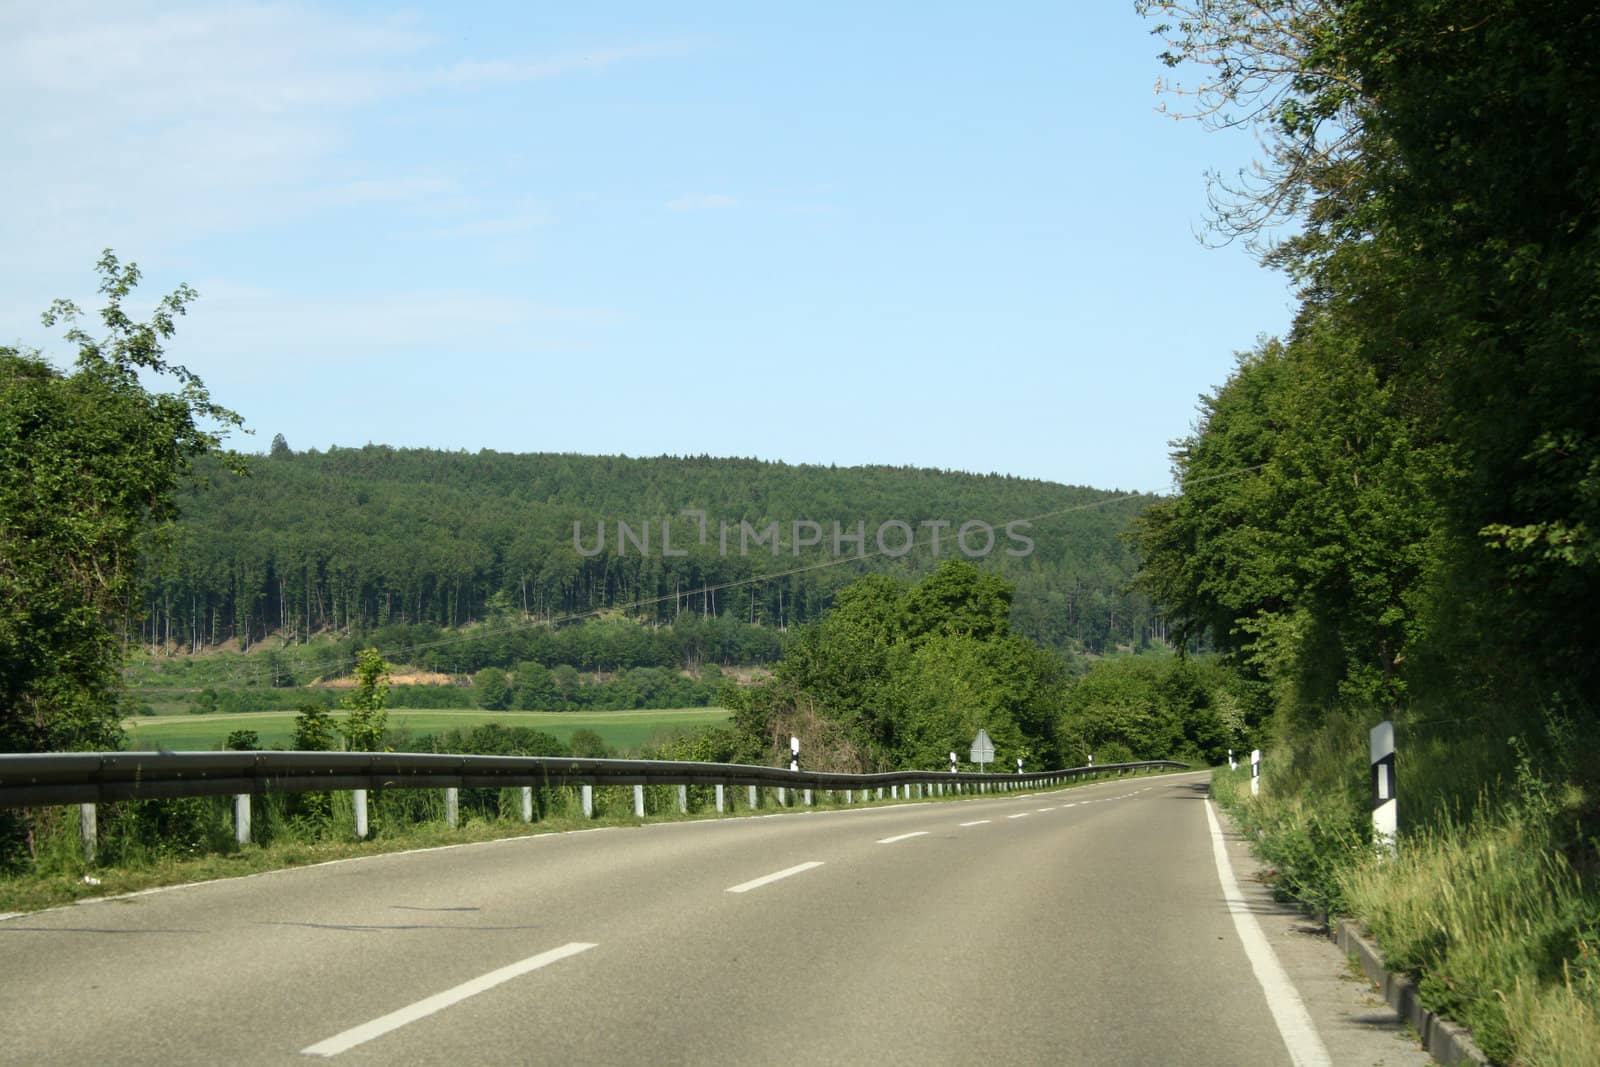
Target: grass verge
x: 1486, y: 911
x: 201, y: 848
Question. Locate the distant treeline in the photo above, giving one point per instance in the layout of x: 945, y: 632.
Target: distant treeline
x: 359, y: 541
x: 530, y: 687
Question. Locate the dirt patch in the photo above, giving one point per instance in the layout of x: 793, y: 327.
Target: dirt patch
x: 397, y: 678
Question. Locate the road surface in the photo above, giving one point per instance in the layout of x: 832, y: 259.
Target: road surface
x: 1080, y: 926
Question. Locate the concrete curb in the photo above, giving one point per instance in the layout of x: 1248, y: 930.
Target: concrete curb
x: 1445, y: 1041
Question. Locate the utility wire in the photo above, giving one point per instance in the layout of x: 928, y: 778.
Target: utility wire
x: 255, y: 672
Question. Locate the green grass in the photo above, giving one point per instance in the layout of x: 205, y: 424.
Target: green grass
x: 1483, y: 913
x: 622, y: 730
x: 1482, y: 906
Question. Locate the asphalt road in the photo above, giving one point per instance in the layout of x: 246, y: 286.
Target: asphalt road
x: 1080, y: 926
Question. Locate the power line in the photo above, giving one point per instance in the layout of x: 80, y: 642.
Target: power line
x: 247, y: 671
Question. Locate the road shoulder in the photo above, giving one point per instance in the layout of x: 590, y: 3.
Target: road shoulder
x: 1354, y: 1022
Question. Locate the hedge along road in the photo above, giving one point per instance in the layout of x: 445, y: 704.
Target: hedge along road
x: 1087, y: 925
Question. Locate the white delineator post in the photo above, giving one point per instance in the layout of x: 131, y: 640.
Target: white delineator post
x: 1385, y: 807
x: 1255, y: 772
x: 1233, y: 764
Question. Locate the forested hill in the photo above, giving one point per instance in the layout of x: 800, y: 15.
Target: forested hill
x: 351, y: 539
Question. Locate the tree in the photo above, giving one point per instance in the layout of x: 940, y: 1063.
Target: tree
x: 896, y: 676
x: 588, y: 744
x: 1440, y: 156
x: 89, y: 464
x: 243, y: 741
x: 280, y: 447
x: 366, y: 716
x: 491, y: 690
x: 534, y: 688
x: 313, y: 729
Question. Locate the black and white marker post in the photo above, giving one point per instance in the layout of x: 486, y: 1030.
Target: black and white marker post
x: 794, y: 753
x: 952, y: 763
x: 1019, y: 764
x: 1385, y: 813
x: 1232, y: 763
x: 1255, y: 772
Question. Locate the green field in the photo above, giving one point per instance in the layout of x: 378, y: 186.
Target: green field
x: 622, y: 730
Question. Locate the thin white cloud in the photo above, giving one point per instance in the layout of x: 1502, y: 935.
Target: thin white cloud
x: 143, y: 125
x: 393, y: 189
x: 503, y: 71
x: 505, y: 226
x: 702, y: 202
x: 298, y: 328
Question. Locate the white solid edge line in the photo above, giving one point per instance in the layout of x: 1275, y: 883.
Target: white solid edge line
x: 902, y: 837
x: 977, y: 822
x: 767, y: 879
x: 1288, y: 1011
x: 439, y: 1001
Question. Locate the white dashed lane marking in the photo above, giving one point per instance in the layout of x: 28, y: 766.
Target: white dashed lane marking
x: 768, y: 879
x: 360, y: 1035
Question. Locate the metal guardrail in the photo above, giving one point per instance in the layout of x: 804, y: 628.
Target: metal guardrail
x: 33, y: 780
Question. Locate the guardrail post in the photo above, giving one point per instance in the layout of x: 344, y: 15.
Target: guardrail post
x: 755, y: 797
x: 683, y: 800
x: 783, y: 797
x: 849, y: 796
x: 808, y: 798
x: 241, y: 818
x: 720, y: 803
x: 452, y: 806
x: 588, y: 801
x: 88, y: 830
x: 638, y: 801
x: 527, y: 803
x: 359, y: 796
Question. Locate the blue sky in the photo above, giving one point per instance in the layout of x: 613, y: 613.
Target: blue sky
x: 922, y: 234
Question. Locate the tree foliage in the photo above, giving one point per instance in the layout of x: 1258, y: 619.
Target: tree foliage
x: 90, y: 462
x: 366, y: 714
x: 1399, y: 502
x: 899, y: 676
x: 405, y: 543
